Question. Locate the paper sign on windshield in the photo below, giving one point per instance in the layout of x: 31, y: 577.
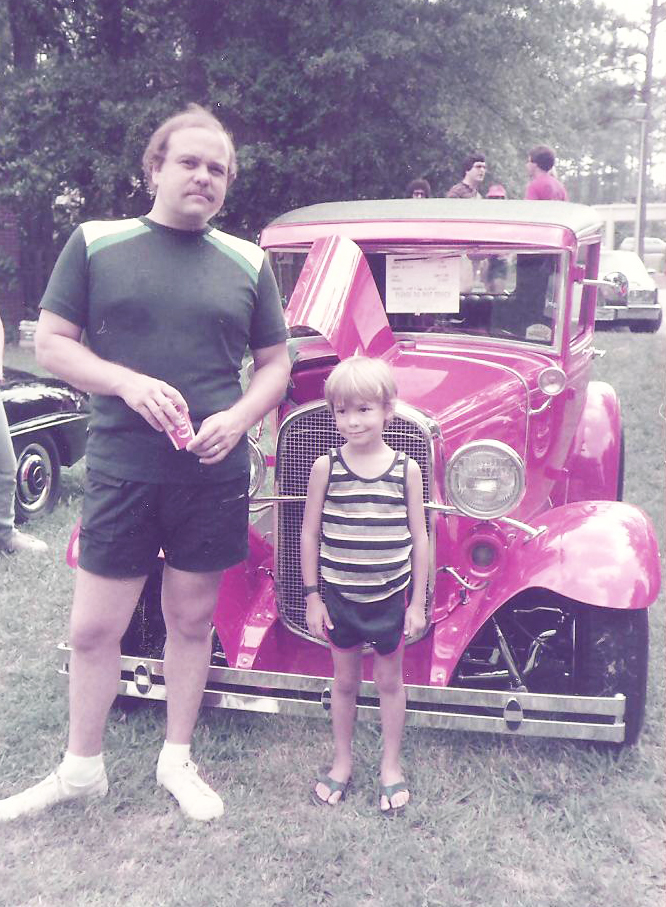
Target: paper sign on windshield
x: 422, y: 283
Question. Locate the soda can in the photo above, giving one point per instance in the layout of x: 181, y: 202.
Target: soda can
x: 183, y: 432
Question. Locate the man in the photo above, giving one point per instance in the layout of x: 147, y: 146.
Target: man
x: 169, y: 306
x: 418, y: 188
x: 474, y: 172
x: 543, y: 185
x: 11, y: 540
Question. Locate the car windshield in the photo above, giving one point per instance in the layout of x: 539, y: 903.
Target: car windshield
x: 493, y: 292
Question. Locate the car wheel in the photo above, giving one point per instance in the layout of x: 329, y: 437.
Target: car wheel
x: 37, y: 476
x: 611, y: 656
x: 646, y: 327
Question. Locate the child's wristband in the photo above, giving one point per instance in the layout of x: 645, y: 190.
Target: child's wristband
x: 308, y: 590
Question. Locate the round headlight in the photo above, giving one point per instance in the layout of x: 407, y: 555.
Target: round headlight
x: 552, y: 380
x: 485, y: 479
x: 257, y: 467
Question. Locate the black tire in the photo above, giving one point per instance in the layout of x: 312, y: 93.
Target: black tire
x: 146, y: 632
x: 37, y: 476
x: 646, y: 327
x: 612, y: 657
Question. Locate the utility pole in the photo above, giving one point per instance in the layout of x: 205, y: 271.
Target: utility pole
x: 657, y: 14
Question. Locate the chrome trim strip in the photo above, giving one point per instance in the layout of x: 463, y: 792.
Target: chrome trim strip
x: 532, y: 532
x: 245, y: 691
x: 40, y: 422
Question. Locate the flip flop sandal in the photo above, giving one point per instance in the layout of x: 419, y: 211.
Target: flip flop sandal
x: 388, y: 791
x: 333, y: 786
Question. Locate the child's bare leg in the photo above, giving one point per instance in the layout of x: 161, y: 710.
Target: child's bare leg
x: 347, y: 676
x: 387, y: 673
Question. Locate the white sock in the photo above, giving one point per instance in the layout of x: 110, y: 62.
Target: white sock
x: 81, y: 770
x: 175, y: 753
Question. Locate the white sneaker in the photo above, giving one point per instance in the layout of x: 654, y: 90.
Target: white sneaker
x: 196, y: 799
x: 53, y: 789
x: 22, y: 541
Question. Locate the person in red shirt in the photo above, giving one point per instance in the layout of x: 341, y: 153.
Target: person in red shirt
x: 543, y: 185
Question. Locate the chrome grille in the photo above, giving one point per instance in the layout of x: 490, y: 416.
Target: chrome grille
x: 306, y: 435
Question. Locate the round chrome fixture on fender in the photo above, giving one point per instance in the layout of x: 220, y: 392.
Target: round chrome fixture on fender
x: 552, y: 381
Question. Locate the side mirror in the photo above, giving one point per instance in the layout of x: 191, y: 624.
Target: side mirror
x: 614, y: 281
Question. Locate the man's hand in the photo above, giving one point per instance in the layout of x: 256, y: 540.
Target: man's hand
x: 415, y: 619
x: 153, y: 399
x: 316, y: 616
x: 217, y: 437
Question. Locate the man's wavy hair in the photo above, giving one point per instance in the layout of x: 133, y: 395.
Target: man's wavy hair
x: 194, y: 116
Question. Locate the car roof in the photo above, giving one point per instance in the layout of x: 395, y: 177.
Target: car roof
x: 529, y: 222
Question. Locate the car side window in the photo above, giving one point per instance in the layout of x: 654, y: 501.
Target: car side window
x: 580, y: 295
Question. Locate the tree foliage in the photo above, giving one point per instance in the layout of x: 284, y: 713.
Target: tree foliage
x: 327, y: 99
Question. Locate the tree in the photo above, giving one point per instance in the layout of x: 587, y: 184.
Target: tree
x: 327, y: 99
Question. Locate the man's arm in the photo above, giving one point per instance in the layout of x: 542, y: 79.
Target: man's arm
x: 220, y: 432
x: 58, y: 348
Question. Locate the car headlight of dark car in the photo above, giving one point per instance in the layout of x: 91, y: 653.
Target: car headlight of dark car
x: 485, y: 479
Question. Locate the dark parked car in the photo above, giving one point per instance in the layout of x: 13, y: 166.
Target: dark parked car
x: 48, y: 422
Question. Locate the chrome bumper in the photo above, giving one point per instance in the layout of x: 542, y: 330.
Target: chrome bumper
x: 448, y: 708
x: 628, y: 313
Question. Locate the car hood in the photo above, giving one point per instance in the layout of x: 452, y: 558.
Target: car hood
x: 336, y: 296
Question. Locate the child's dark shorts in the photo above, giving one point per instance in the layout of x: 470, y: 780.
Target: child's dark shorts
x: 378, y: 624
x: 124, y: 524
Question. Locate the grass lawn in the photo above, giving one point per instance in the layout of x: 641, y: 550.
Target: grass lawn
x: 495, y: 822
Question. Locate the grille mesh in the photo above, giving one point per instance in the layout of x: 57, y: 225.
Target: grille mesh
x: 299, y: 444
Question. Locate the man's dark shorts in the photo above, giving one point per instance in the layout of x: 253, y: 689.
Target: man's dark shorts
x: 378, y: 624
x: 200, y: 528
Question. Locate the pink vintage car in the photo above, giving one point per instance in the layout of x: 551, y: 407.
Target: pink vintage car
x: 540, y: 577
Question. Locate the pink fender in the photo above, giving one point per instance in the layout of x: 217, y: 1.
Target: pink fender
x: 336, y: 296
x: 595, y: 462
x: 601, y: 553
x: 244, y: 631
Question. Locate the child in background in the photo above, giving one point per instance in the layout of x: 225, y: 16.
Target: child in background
x: 364, y: 528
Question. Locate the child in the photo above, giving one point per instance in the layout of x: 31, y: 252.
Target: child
x: 366, y: 502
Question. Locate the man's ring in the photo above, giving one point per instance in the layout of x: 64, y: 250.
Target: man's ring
x: 216, y: 448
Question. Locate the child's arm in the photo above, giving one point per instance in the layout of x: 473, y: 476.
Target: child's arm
x: 316, y: 614
x: 415, y: 620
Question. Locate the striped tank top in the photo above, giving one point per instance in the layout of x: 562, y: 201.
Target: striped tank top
x: 366, y: 545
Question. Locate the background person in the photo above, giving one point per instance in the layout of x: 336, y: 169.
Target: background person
x: 497, y: 190
x: 543, y: 185
x: 169, y: 306
x: 11, y: 540
x: 369, y: 551
x: 418, y: 188
x: 474, y: 172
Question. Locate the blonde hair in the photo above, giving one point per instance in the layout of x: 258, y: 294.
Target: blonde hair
x: 363, y: 378
x: 192, y: 117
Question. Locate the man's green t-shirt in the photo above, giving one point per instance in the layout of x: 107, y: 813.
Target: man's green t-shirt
x: 178, y: 305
